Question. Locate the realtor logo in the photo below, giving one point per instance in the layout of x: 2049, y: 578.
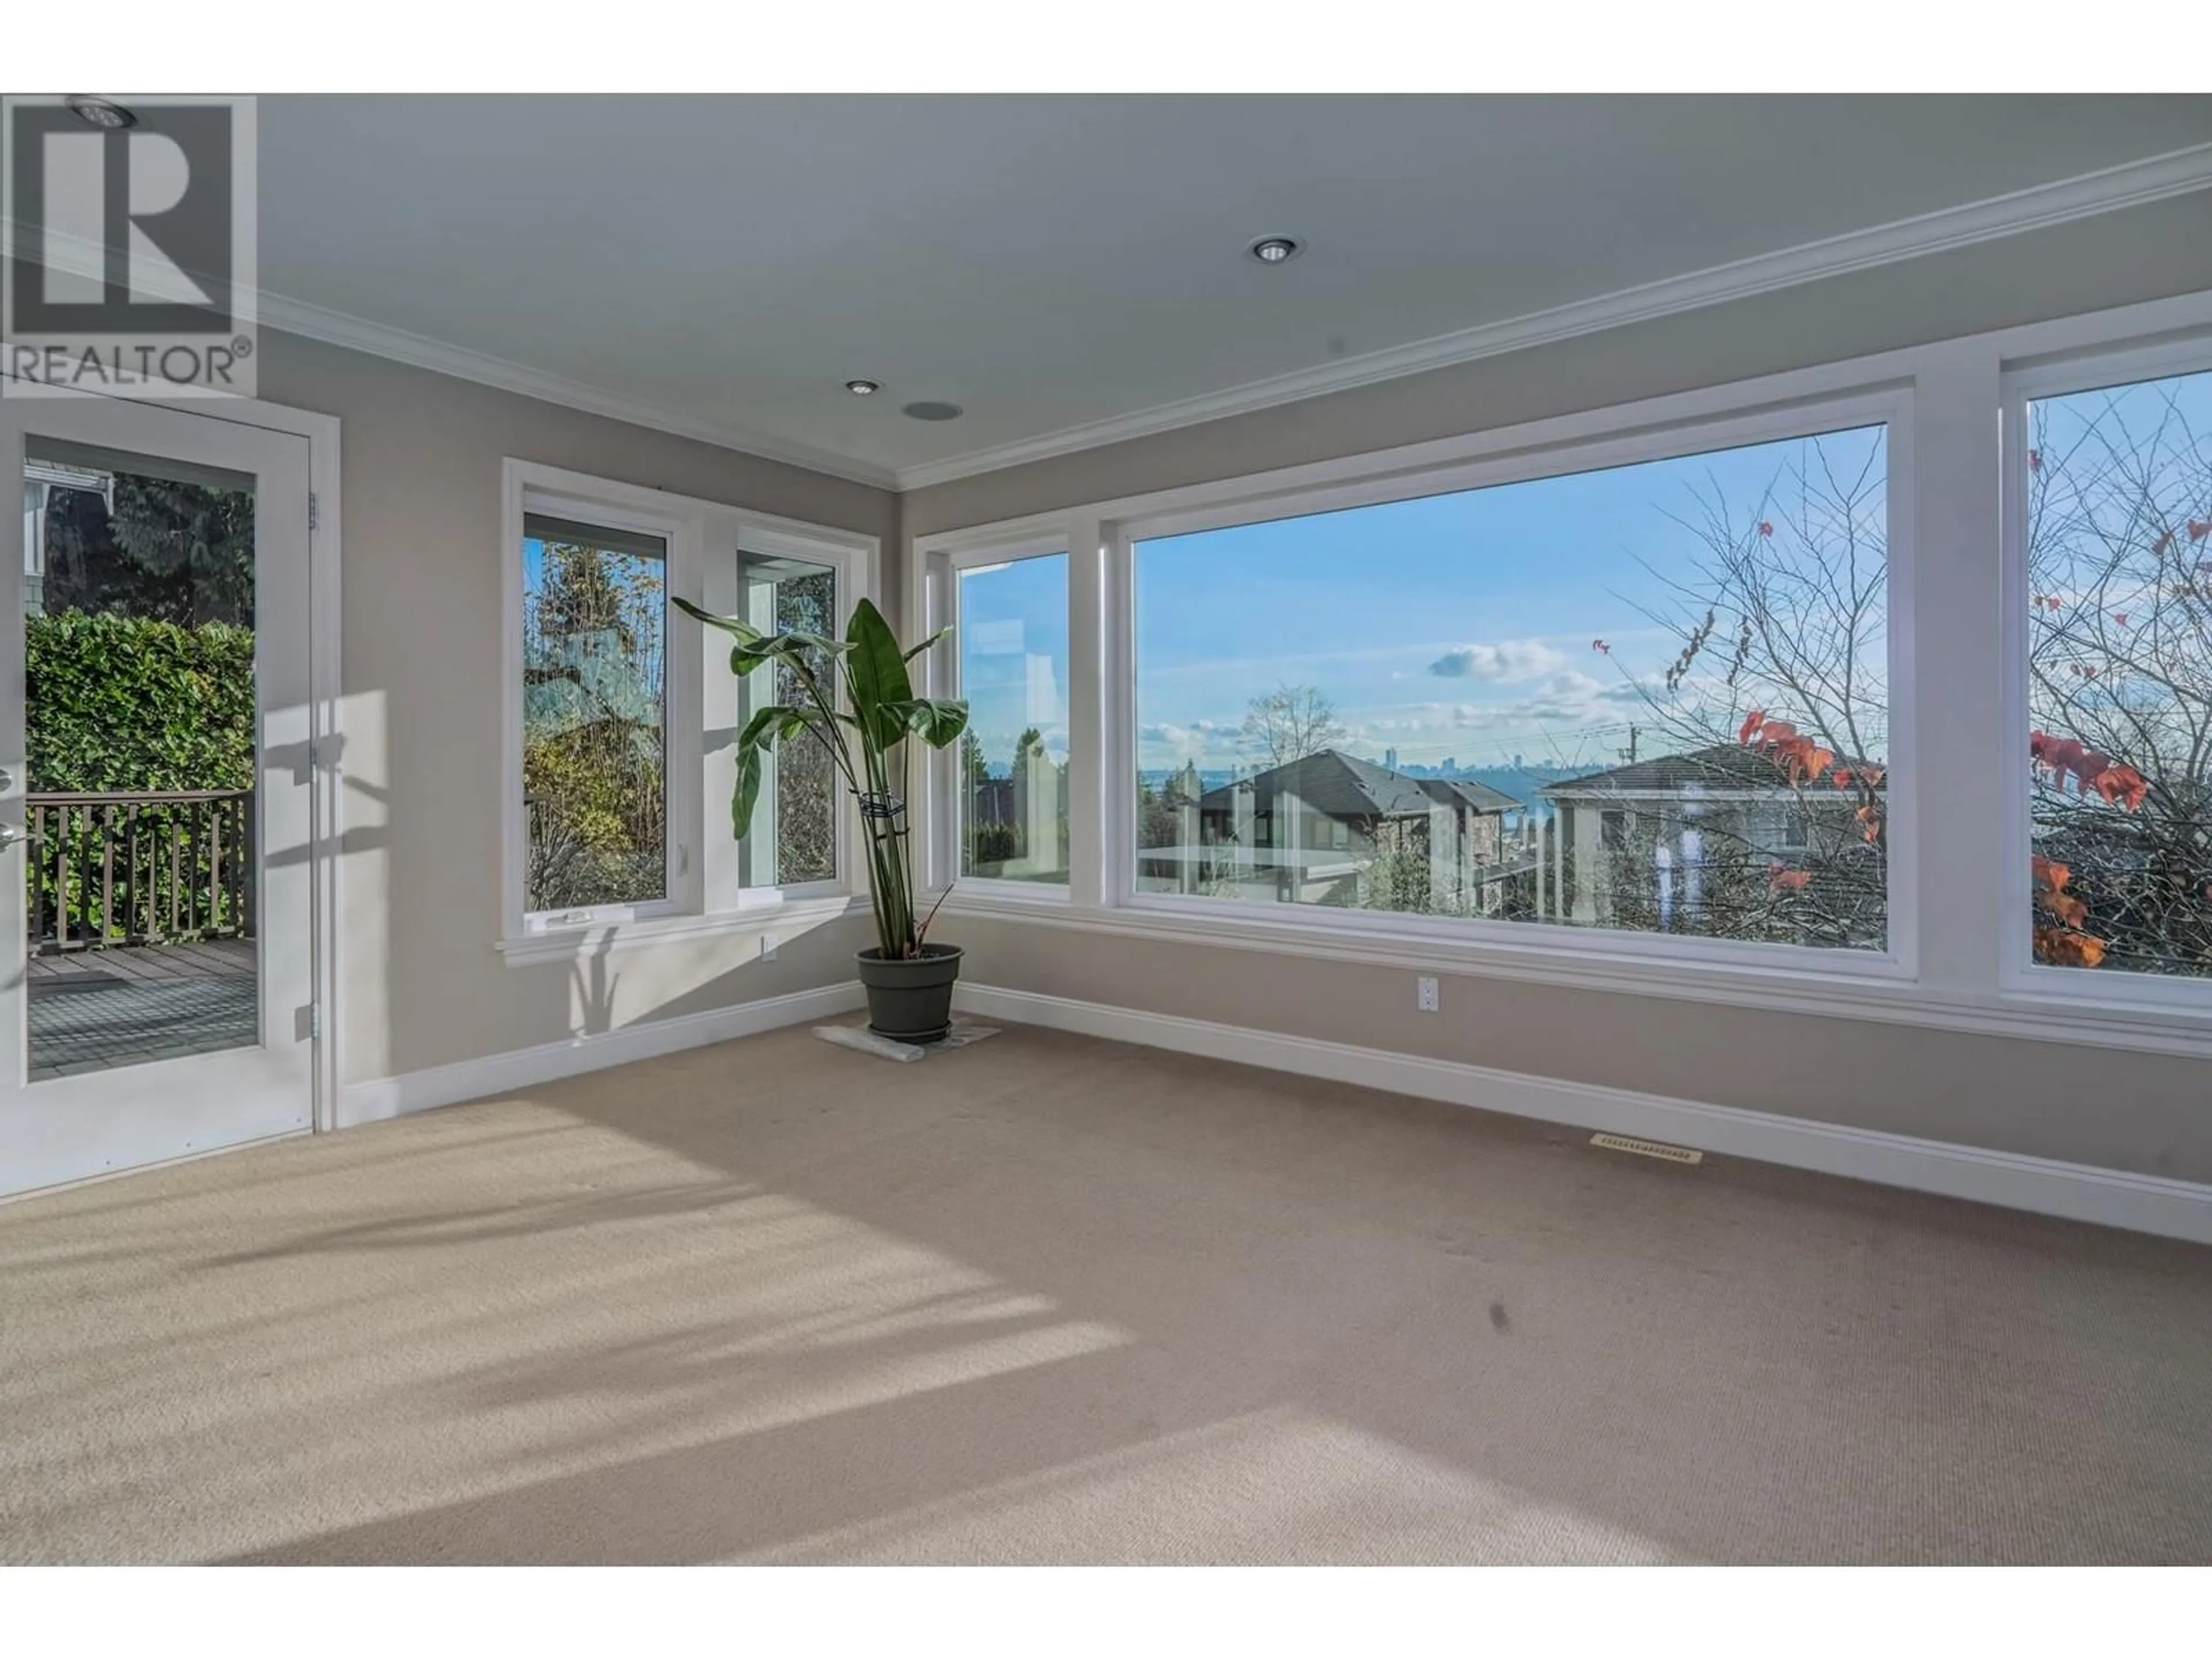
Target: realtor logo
x: 129, y: 258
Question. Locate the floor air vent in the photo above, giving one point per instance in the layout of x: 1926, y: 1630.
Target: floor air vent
x: 1648, y: 1148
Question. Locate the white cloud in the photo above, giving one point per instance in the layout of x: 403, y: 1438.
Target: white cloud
x: 1502, y: 661
x: 1571, y: 696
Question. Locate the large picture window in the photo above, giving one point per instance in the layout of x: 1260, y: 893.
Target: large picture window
x: 1652, y: 698
x: 594, y: 716
x: 1013, y: 640
x: 2118, y: 534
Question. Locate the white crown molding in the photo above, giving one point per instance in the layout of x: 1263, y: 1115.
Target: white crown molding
x: 2131, y: 185
x: 287, y: 316
x: 2079, y: 1192
x: 420, y: 351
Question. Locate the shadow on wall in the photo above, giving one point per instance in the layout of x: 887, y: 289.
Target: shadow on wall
x: 452, y: 998
x: 611, y: 988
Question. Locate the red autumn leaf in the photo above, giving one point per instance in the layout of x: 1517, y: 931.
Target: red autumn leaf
x: 2052, y: 874
x: 1765, y: 528
x: 2063, y: 756
x: 2122, y: 784
x: 1751, y: 722
x: 1869, y: 819
x: 2121, y: 617
x: 1843, y: 777
x: 2064, y: 948
x: 2198, y: 527
x: 2162, y: 543
x: 1787, y: 881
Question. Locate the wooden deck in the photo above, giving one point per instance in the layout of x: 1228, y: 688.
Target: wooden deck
x: 213, y: 958
x: 128, y: 1004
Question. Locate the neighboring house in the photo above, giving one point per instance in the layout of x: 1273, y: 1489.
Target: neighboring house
x: 1663, y: 824
x: 1332, y: 829
x: 41, y: 478
x: 1030, y: 808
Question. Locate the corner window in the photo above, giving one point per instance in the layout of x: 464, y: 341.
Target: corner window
x: 594, y: 696
x: 793, y: 838
x: 1012, y: 647
x: 2118, y: 590
x: 1651, y: 698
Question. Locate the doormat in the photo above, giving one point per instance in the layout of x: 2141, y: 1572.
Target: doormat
x: 862, y: 1040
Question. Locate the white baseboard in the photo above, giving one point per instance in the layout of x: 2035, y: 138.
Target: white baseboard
x: 526, y: 1068
x: 2079, y: 1192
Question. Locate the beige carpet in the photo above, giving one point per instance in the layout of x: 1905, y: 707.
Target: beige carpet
x: 1051, y: 1299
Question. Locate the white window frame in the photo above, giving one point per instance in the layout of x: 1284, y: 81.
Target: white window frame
x: 731, y: 535
x: 2018, y: 972
x: 935, y: 600
x: 539, y: 490
x: 1890, y: 408
x: 706, y: 893
x: 1954, y: 708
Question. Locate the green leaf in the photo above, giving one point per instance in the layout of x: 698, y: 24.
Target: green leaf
x: 768, y: 723
x: 747, y: 793
x: 935, y: 721
x: 917, y: 650
x: 793, y: 649
x: 876, y: 669
x: 736, y: 625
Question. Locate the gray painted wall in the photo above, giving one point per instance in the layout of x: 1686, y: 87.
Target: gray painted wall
x: 420, y: 983
x: 2150, y: 1114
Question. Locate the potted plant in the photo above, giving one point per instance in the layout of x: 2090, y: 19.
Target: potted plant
x: 909, y: 981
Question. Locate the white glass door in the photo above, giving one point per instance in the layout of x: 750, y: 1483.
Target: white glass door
x: 155, y: 977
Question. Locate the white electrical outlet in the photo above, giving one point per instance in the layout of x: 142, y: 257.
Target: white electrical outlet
x: 1424, y: 996
x: 768, y: 947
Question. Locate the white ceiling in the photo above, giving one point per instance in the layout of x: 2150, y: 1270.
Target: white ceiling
x: 1052, y: 263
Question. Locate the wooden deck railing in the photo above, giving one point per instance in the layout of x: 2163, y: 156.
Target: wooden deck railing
x: 132, y: 868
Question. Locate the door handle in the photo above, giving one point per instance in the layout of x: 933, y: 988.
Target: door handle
x: 10, y: 834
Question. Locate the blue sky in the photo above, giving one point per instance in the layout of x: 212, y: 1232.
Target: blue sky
x: 1013, y: 654
x: 1454, y: 627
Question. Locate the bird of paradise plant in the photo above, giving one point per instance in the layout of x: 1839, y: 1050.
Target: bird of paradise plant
x: 858, y: 702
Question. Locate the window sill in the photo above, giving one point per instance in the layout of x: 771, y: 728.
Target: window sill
x: 1879, y: 990
x: 988, y: 892
x: 572, y: 944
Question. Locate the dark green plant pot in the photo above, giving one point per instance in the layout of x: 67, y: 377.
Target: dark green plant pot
x: 911, y: 1001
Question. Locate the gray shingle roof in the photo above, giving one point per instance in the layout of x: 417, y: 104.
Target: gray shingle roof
x: 1343, y: 785
x: 1722, y: 766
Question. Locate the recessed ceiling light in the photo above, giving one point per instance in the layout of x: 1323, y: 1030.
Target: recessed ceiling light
x: 864, y: 388
x: 103, y: 113
x: 933, y: 411
x: 1276, y: 250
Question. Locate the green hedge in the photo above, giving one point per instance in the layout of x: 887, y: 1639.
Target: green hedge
x: 127, y: 702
